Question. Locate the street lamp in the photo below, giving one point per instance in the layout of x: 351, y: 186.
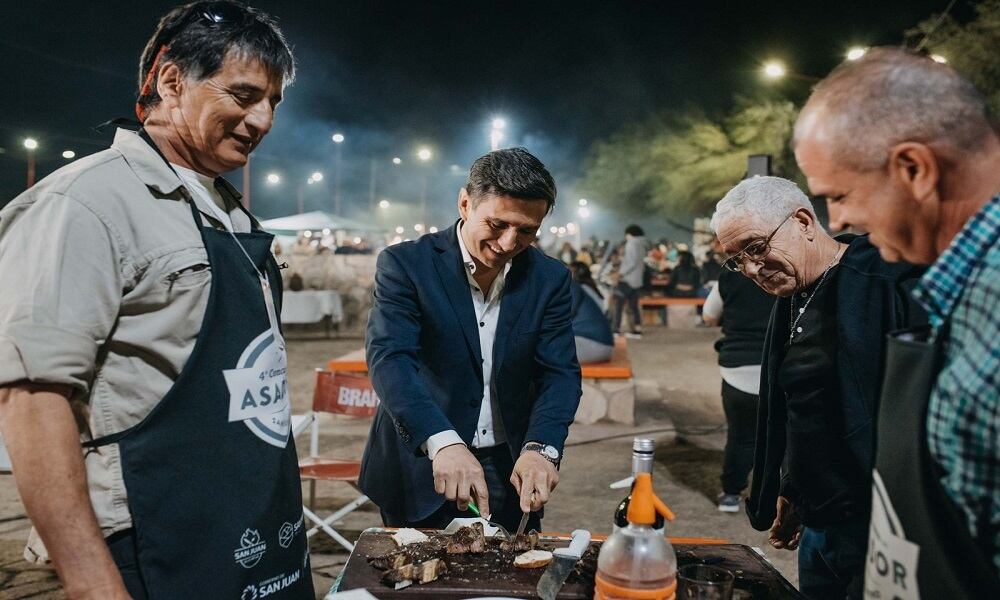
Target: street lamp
x: 496, y: 133
x: 419, y: 227
x: 400, y: 230
x: 68, y: 154
x: 773, y: 70
x: 338, y: 139
x: 856, y: 52
x: 939, y: 59
x: 31, y: 144
x: 316, y: 176
x: 302, y: 190
x: 424, y: 154
x: 273, y: 178
x: 433, y: 230
x: 397, y: 161
x: 383, y: 204
x: 583, y: 211
x: 583, y: 202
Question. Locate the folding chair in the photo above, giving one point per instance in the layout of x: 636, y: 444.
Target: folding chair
x: 340, y: 394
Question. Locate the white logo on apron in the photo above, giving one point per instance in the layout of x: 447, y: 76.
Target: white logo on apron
x: 258, y: 389
x: 891, y: 566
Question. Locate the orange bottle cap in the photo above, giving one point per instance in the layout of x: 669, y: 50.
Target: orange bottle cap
x: 644, y: 506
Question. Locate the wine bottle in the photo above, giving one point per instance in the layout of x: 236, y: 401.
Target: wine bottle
x: 642, y: 462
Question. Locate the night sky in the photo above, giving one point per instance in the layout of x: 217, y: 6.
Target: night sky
x: 395, y: 75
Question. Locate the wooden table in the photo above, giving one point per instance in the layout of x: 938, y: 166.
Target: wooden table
x: 473, y: 576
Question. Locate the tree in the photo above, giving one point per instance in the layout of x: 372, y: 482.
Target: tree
x: 682, y: 165
x: 970, y: 48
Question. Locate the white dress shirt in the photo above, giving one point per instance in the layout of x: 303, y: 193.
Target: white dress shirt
x: 487, y: 309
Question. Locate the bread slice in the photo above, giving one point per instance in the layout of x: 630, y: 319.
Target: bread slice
x: 533, y: 559
x: 409, y: 536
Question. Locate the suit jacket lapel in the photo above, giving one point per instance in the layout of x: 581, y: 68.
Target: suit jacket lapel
x: 515, y: 293
x: 450, y: 269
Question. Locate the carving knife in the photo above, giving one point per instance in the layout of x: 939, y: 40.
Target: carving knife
x: 563, y: 562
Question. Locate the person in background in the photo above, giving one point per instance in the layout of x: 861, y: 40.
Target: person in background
x: 594, y: 340
x: 631, y: 271
x: 685, y: 278
x: 743, y: 310
x: 909, y: 150
x: 820, y: 376
x: 567, y: 254
x: 585, y: 256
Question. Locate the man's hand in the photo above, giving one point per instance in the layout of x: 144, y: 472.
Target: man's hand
x: 459, y: 477
x: 533, y: 473
x: 786, y: 532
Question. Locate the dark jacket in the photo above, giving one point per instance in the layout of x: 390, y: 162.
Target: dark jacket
x: 746, y: 312
x: 425, y: 363
x: 872, y: 300
x: 588, y: 318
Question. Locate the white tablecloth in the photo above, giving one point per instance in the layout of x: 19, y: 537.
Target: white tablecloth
x: 310, y: 306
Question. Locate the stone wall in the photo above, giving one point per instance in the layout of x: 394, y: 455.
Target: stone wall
x: 352, y: 275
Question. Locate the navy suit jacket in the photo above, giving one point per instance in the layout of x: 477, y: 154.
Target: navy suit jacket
x: 425, y: 363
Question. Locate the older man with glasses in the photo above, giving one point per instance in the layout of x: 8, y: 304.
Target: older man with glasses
x: 820, y: 376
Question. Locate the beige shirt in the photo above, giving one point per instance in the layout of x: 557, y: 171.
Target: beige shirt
x: 105, y: 282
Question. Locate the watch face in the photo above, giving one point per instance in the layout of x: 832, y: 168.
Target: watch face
x: 550, y: 452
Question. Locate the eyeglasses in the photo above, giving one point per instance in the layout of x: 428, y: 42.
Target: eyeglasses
x: 755, y: 250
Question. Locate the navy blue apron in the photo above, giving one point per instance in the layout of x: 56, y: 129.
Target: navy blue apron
x: 211, y: 473
x: 919, y: 545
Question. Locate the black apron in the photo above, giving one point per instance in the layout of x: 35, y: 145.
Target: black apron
x: 211, y: 473
x: 919, y: 543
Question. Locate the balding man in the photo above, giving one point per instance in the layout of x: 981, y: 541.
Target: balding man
x: 906, y: 149
x: 819, y: 379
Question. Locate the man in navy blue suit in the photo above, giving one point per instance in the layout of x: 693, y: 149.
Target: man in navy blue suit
x: 470, y: 347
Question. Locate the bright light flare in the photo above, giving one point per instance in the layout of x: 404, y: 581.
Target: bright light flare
x: 400, y: 230
x: 433, y: 230
x: 939, y: 59
x: 396, y: 160
x: 317, y: 176
x: 773, y: 70
x: 337, y: 138
x: 424, y: 154
x: 273, y: 178
x: 856, y: 52
x: 383, y: 204
x: 419, y: 227
x: 68, y: 154
x: 584, y: 212
x: 30, y: 143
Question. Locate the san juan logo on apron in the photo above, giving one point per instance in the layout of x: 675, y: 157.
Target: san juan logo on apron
x: 251, y: 549
x: 258, y: 389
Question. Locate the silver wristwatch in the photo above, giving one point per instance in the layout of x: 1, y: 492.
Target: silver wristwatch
x: 548, y: 452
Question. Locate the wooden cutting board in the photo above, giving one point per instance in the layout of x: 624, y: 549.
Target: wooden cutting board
x: 476, y: 575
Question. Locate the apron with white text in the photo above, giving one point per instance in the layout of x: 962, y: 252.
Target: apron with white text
x: 919, y: 543
x: 211, y: 473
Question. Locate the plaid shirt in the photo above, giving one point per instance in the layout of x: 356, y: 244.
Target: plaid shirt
x: 963, y: 418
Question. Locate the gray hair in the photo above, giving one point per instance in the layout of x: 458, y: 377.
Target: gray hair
x: 769, y: 198
x: 890, y: 96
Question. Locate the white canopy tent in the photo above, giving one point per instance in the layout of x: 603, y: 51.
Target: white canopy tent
x: 318, y: 220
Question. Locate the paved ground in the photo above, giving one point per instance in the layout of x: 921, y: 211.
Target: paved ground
x: 678, y: 384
